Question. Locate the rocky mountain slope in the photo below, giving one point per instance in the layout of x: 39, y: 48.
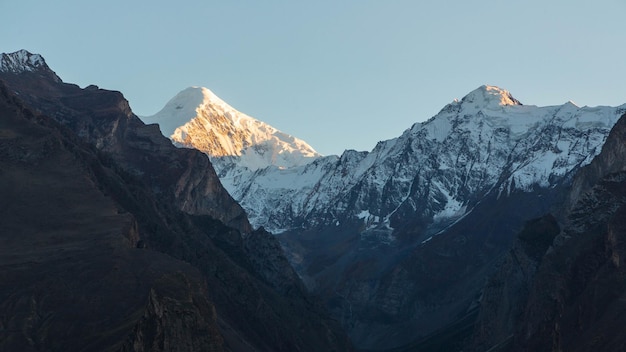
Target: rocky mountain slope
x: 369, y: 231
x: 67, y: 253
x: 113, y: 239
x: 562, y: 286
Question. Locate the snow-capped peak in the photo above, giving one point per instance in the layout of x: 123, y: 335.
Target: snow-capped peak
x: 486, y: 143
x: 197, y: 118
x: 179, y: 110
x: 487, y: 96
x: 21, y: 61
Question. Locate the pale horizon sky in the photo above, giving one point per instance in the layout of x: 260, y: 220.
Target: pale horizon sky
x: 337, y: 74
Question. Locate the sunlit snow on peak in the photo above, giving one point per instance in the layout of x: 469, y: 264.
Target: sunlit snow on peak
x: 488, y: 96
x: 197, y: 118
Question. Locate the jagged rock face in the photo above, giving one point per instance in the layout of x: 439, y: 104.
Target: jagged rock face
x: 611, y: 160
x: 570, y: 294
x: 261, y: 249
x: 576, y: 303
x: 23, y: 61
x: 175, y: 321
x: 504, y: 297
x: 72, y: 278
x: 108, y: 244
x: 576, y: 300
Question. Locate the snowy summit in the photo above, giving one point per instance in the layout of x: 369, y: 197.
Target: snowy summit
x: 487, y: 143
x: 197, y: 118
x: 489, y: 96
x: 21, y: 61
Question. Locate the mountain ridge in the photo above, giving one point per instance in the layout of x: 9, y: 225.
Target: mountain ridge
x: 397, y: 241
x: 114, y: 239
x: 481, y: 113
x: 24, y: 61
x: 461, y: 183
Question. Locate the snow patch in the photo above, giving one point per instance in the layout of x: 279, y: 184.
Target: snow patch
x: 21, y: 61
x: 363, y: 215
x: 452, y: 209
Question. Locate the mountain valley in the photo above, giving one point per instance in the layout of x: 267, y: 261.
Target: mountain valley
x: 492, y: 226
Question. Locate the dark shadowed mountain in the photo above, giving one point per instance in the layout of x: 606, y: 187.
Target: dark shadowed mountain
x: 562, y: 287
x: 112, y: 239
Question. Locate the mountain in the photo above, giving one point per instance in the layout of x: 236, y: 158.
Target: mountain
x: 196, y: 189
x: 197, y: 118
x: 114, y: 239
x: 238, y: 145
x: 23, y: 61
x: 561, y: 287
x: 370, y: 231
x: 486, y: 136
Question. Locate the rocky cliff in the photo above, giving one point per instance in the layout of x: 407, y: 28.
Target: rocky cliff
x: 71, y: 275
x: 576, y: 300
x: 113, y: 239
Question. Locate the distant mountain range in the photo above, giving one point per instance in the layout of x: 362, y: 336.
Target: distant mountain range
x: 486, y: 140
x: 374, y: 212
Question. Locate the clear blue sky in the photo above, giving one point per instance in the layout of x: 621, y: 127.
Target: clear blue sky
x: 338, y: 74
